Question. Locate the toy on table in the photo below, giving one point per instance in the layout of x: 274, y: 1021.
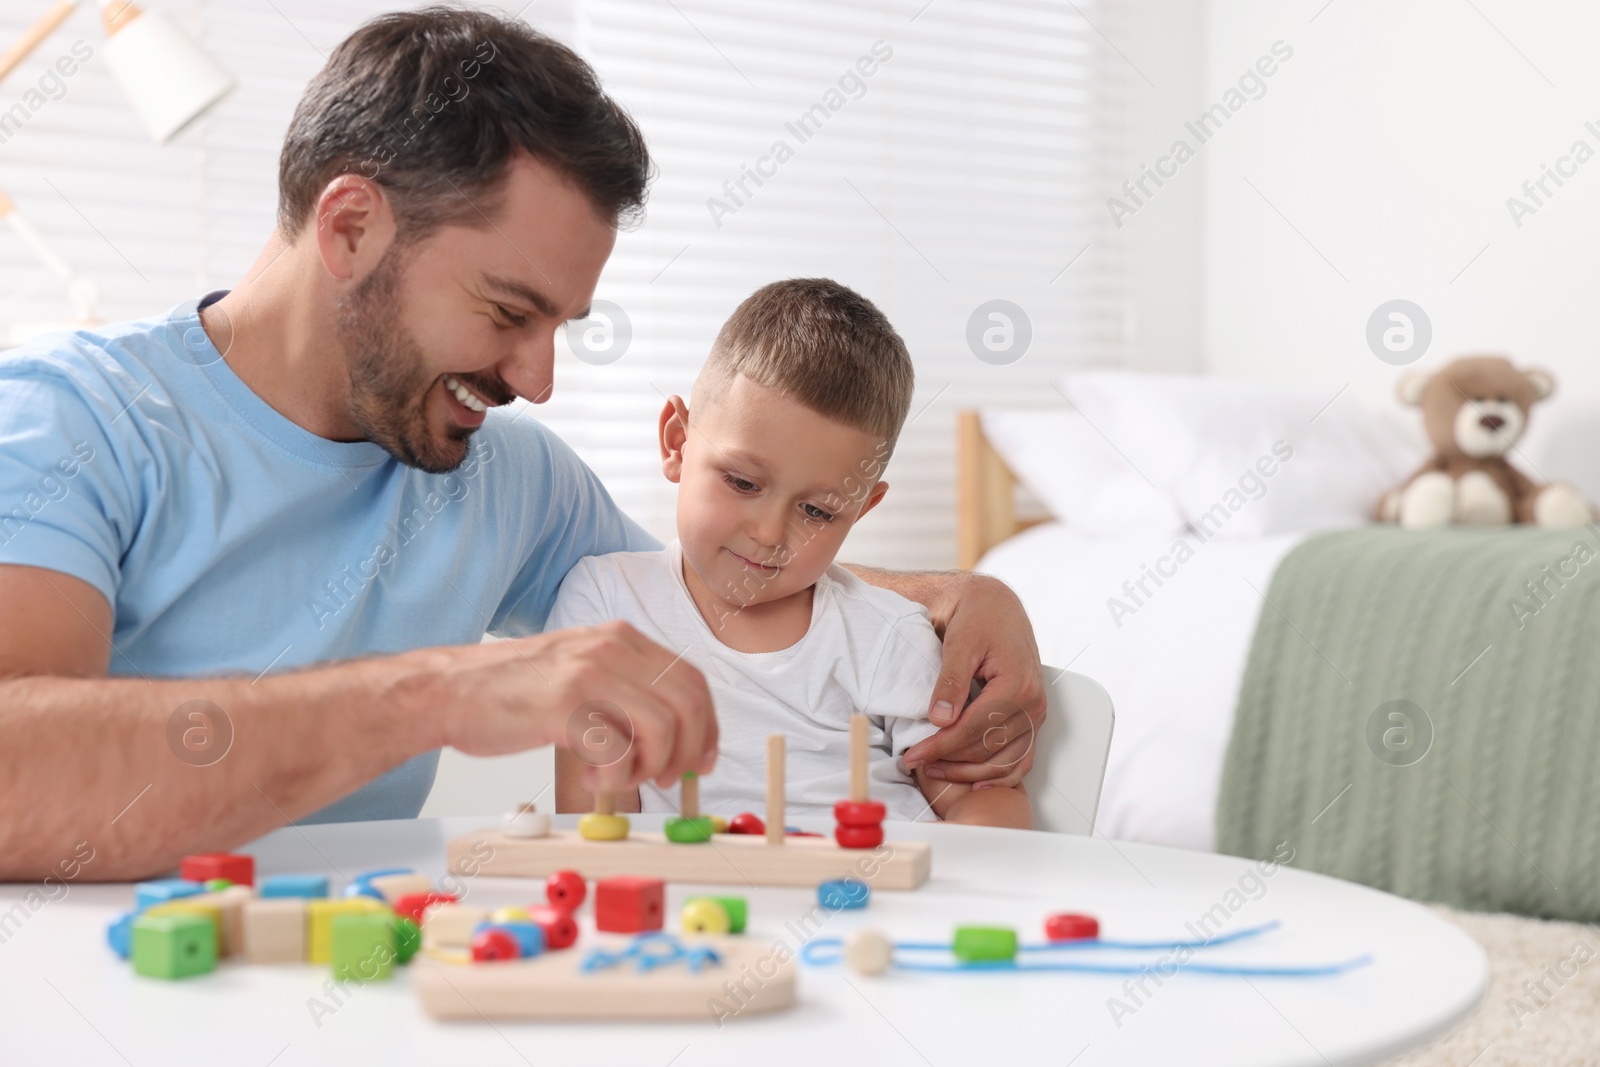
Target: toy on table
x: 713, y: 915
x: 996, y: 948
x: 753, y: 853
x: 526, y: 821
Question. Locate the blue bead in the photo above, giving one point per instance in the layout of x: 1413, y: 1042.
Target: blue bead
x: 529, y: 936
x: 295, y: 885
x: 844, y: 893
x: 149, y: 894
x: 119, y: 934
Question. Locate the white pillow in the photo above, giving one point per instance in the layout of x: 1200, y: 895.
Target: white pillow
x: 1244, y: 460
x: 1077, y: 474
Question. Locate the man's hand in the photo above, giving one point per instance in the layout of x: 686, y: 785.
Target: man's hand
x: 987, y: 638
x: 629, y: 709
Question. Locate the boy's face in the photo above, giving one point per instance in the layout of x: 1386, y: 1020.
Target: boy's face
x: 767, y: 489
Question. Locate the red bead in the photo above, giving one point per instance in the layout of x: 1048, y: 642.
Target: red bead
x: 628, y: 905
x: 240, y: 870
x: 746, y: 823
x: 1070, y: 927
x: 566, y: 890
x: 491, y: 945
x: 560, y: 928
x: 865, y: 813
x: 858, y: 836
x: 412, y: 905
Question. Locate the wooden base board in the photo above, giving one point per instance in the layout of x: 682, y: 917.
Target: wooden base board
x: 751, y: 978
x: 733, y: 859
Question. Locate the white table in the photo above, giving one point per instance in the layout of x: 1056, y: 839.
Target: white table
x: 64, y: 999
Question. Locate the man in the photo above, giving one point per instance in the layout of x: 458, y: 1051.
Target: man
x: 257, y: 541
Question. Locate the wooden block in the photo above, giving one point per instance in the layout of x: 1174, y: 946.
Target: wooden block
x: 319, y: 922
x: 274, y: 929
x: 735, y: 859
x: 451, y: 925
x: 175, y: 945
x: 394, y: 886
x: 205, y: 907
x: 240, y: 870
x: 555, y: 986
x: 231, y: 901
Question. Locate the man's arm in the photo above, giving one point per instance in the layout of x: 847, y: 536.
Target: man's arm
x: 85, y: 758
x: 987, y: 638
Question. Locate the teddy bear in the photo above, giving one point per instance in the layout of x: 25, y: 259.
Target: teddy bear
x: 1475, y: 410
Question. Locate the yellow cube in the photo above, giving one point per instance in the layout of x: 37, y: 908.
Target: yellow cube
x: 319, y: 922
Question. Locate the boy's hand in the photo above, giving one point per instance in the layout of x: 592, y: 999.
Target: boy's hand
x: 607, y: 689
x: 987, y: 637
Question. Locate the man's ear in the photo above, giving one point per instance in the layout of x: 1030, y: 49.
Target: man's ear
x: 877, y: 494
x: 1541, y: 380
x: 354, y: 226
x: 1410, y: 386
x: 673, y: 430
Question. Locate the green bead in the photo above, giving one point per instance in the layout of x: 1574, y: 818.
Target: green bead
x: 217, y: 885
x: 174, y: 946
x: 981, y: 943
x: 407, y: 938
x: 362, y: 946
x: 689, y: 831
x: 734, y: 906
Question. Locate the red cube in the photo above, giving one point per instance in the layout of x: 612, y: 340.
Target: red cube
x: 412, y: 905
x: 629, y: 905
x: 240, y: 870
x: 560, y: 928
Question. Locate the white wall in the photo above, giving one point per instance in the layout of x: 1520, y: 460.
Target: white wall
x: 1391, y: 141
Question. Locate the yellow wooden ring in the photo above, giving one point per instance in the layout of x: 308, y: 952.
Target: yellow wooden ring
x: 597, y: 827
x: 719, y: 825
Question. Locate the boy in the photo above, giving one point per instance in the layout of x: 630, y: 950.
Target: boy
x: 794, y: 417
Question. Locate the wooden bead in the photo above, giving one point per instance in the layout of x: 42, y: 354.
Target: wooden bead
x: 843, y: 893
x: 509, y: 914
x: 1067, y: 926
x: 868, y: 952
x: 864, y: 813
x: 407, y: 938
x: 566, y: 890
x: 526, y: 821
x: 560, y: 928
x: 598, y: 827
x: 858, y: 836
x: 493, y: 945
x: 734, y: 907
x: 975, y: 944
x: 746, y: 823
x: 702, y: 915
x: 688, y: 831
x: 719, y: 825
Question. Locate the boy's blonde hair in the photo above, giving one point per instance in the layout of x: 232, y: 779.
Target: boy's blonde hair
x: 822, y: 344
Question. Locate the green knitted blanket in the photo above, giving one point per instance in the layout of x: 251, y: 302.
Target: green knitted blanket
x: 1421, y: 712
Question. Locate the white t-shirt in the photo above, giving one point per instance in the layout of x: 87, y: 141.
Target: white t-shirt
x: 866, y: 650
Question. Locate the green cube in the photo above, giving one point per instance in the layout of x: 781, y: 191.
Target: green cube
x: 174, y: 946
x: 984, y: 944
x: 734, y: 906
x: 362, y: 946
x: 407, y: 938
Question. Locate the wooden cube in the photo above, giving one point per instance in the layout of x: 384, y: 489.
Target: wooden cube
x: 394, y: 886
x: 362, y: 946
x: 451, y: 925
x: 232, y: 901
x: 629, y: 905
x: 295, y: 885
x: 174, y: 946
x: 319, y: 922
x: 202, y: 906
x: 240, y: 870
x: 275, y: 930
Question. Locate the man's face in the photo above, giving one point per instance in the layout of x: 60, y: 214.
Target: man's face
x: 470, y: 310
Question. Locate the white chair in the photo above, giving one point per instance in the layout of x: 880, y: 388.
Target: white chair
x: 1070, y: 751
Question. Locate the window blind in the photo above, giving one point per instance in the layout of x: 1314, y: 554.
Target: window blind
x: 937, y: 156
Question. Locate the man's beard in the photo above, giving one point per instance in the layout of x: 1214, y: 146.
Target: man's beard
x: 389, y: 384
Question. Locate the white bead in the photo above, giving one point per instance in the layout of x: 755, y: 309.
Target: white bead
x: 867, y: 951
x: 526, y: 822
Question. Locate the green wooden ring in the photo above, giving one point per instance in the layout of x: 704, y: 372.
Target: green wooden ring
x: 696, y: 831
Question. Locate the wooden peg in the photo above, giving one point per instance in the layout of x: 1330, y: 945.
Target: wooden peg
x: 605, y: 804
x: 858, y: 757
x: 775, y: 758
x: 689, y: 796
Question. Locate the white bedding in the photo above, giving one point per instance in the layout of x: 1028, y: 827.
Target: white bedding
x: 1172, y: 666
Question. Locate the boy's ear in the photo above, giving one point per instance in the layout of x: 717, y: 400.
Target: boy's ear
x: 673, y: 431
x: 873, y: 498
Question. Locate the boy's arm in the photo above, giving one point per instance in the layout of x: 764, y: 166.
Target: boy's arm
x: 996, y: 805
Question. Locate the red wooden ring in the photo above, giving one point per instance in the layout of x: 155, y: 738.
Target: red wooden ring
x: 865, y: 813
x: 1070, y: 927
x: 858, y: 836
x: 746, y: 823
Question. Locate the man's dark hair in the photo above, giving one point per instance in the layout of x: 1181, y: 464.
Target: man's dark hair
x: 434, y: 104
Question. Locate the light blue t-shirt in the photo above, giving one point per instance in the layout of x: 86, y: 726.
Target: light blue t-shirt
x: 229, y: 540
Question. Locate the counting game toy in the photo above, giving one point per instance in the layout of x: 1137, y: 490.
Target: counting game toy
x: 752, y: 852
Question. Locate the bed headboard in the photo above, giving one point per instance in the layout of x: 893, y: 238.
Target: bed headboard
x: 986, y: 510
